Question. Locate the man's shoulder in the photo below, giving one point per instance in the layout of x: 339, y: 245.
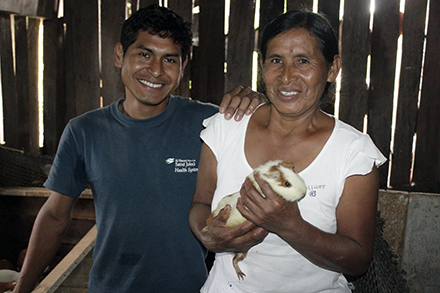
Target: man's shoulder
x: 193, y: 103
x: 205, y: 109
x: 93, y: 114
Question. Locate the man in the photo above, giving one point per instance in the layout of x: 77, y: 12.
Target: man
x: 140, y: 157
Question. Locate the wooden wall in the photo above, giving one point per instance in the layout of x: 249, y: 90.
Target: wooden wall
x: 77, y: 73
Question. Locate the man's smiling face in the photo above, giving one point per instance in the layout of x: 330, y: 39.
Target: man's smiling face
x: 150, y: 69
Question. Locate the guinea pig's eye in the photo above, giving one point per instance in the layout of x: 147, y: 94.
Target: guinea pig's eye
x: 287, y: 183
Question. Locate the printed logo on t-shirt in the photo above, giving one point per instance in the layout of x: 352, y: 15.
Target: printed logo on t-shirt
x: 183, y: 165
x: 313, y: 189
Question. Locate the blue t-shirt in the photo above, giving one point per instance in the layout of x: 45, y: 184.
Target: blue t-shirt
x: 143, y: 175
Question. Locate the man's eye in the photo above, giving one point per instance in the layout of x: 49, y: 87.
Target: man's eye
x: 144, y: 54
x: 170, y: 60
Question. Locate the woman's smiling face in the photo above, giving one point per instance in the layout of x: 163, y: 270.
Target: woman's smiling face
x: 295, y: 72
x: 151, y: 68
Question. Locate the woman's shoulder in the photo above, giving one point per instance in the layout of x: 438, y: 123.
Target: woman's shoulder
x: 348, y: 131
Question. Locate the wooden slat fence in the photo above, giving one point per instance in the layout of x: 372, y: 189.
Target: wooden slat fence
x: 79, y: 73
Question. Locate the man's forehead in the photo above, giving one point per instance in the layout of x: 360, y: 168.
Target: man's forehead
x: 155, y: 43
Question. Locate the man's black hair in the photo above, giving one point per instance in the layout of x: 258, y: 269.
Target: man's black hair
x: 159, y: 21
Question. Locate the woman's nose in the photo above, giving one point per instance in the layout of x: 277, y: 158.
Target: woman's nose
x: 287, y: 74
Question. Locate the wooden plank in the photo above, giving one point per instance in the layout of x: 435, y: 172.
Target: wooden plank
x: 299, y: 4
x: 35, y: 192
x: 268, y: 11
x: 271, y: 10
x: 183, y: 8
x: 10, y: 103
x: 354, y: 51
x: 383, y: 67
x: 33, y: 29
x: 240, y: 44
x: 40, y: 8
x: 427, y: 162
x: 30, y: 206
x: 330, y: 8
x: 54, y: 87
x: 145, y: 3
x: 21, y: 71
x: 83, y: 86
x: 208, y: 74
x: 48, y: 8
x: 68, y: 264
x: 112, y: 17
x: 407, y: 107
x: 23, y: 7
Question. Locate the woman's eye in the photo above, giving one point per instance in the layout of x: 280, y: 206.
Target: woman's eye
x: 275, y: 60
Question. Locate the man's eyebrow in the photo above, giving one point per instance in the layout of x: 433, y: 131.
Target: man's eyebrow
x: 152, y: 51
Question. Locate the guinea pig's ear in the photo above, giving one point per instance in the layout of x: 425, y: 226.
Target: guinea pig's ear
x: 288, y: 165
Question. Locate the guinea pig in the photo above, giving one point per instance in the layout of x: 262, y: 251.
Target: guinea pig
x: 284, y: 181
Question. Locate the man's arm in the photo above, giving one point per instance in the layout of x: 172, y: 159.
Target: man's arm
x: 50, y: 226
x: 240, y: 100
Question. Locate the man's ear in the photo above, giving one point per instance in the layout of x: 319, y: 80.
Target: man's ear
x: 184, y: 63
x: 118, y: 55
x: 334, y: 68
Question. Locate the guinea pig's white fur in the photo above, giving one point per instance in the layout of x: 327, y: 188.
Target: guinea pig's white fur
x: 280, y: 176
x: 283, y: 180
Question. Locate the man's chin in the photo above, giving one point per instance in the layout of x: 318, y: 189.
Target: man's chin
x: 154, y: 102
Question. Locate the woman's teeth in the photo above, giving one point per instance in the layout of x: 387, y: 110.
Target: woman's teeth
x: 289, y: 93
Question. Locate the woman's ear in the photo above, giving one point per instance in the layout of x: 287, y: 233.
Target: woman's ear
x: 334, y: 68
x: 118, y: 55
x: 260, y: 60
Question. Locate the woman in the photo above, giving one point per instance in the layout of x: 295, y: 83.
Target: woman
x: 308, y: 245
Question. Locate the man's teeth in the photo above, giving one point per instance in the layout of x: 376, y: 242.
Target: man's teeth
x: 289, y: 93
x: 153, y: 85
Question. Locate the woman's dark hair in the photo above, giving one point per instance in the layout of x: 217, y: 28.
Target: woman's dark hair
x: 159, y: 21
x: 316, y: 24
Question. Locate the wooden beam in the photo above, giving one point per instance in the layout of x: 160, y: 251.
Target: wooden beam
x: 184, y: 8
x: 54, y: 86
x: 383, y: 67
x: 407, y: 107
x: 35, y: 192
x: 299, y: 4
x: 240, y: 45
x: 82, y: 57
x: 8, y: 80
x: 427, y: 165
x: 355, y: 50
x: 68, y: 264
x: 209, y: 56
x: 112, y: 18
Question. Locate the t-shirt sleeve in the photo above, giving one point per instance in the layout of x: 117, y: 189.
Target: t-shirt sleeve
x: 362, y: 155
x: 214, y: 128
x: 67, y: 175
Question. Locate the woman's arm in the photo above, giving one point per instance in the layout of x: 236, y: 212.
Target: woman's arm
x: 218, y: 237
x: 349, y: 251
